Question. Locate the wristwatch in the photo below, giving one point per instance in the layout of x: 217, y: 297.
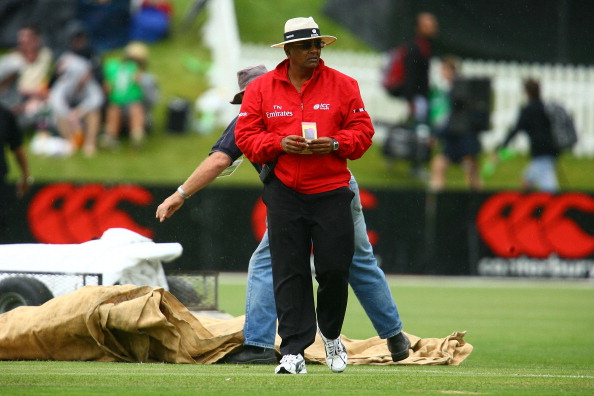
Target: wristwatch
x: 334, y: 144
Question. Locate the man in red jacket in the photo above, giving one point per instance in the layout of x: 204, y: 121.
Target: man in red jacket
x: 305, y: 120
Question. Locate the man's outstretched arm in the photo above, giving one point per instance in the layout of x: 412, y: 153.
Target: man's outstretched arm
x: 202, y: 176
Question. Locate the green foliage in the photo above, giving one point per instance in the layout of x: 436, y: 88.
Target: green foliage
x: 530, y: 337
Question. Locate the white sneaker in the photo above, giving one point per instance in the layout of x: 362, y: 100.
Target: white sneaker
x: 336, y: 354
x: 291, y: 364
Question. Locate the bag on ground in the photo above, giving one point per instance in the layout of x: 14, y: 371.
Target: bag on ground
x: 407, y: 144
x: 394, y: 72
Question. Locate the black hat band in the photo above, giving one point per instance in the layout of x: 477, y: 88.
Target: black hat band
x: 302, y: 34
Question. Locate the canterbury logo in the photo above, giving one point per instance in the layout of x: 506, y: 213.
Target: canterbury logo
x: 536, y: 225
x: 65, y: 213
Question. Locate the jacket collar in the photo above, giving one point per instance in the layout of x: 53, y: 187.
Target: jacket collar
x: 282, y: 69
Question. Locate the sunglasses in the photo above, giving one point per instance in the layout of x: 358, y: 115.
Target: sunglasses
x: 306, y: 45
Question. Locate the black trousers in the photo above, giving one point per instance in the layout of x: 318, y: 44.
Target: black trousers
x: 295, y: 223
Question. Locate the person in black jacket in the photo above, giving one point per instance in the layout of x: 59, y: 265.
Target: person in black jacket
x: 416, y: 82
x: 417, y: 62
x: 458, y: 141
x: 541, y: 172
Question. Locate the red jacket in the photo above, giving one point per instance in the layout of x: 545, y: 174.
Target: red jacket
x: 272, y: 109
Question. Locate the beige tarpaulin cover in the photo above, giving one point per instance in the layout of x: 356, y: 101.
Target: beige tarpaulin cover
x: 146, y: 324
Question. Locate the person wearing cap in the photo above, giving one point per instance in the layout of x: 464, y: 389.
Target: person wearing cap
x: 306, y: 120
x: 366, y: 278
x: 122, y: 81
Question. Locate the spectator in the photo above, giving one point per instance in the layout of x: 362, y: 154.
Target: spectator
x: 11, y: 137
x: 541, y: 172
x: 307, y: 119
x: 456, y: 146
x: 150, y: 94
x: 366, y: 278
x: 24, y: 76
x: 416, y: 84
x: 123, y: 80
x: 76, y: 99
x: 80, y: 44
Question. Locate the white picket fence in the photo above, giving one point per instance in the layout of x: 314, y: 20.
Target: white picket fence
x: 573, y: 86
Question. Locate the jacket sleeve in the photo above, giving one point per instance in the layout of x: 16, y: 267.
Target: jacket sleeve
x: 521, y: 124
x: 251, y: 135
x: 356, y: 133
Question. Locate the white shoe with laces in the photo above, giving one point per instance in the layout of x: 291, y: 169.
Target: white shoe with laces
x: 336, y: 354
x: 291, y: 364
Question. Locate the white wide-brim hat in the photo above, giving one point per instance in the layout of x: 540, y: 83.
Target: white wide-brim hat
x: 300, y: 29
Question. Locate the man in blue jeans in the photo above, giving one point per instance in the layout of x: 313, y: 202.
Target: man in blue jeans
x: 365, y: 277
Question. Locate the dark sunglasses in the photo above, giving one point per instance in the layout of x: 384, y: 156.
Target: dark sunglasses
x: 306, y: 45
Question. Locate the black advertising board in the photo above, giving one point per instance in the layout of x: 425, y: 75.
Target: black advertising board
x: 499, y: 233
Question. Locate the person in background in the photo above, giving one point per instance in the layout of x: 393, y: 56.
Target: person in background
x: 75, y: 102
x: 456, y: 146
x: 80, y: 44
x: 150, y: 94
x: 541, y: 172
x: 304, y: 120
x: 24, y: 76
x: 365, y: 277
x: 11, y: 137
x: 122, y: 80
x: 416, y: 83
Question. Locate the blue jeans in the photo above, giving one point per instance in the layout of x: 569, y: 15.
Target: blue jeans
x: 541, y: 173
x: 365, y: 277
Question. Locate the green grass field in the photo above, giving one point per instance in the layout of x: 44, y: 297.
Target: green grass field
x: 530, y: 337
